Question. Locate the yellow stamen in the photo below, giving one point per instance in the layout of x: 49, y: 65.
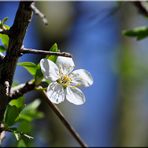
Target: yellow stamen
x: 64, y: 81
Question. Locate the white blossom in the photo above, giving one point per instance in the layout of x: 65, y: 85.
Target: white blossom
x: 65, y: 81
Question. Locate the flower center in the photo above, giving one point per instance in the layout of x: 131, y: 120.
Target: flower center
x: 64, y: 81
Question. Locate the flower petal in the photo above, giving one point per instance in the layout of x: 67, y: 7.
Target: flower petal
x: 81, y: 77
x: 65, y: 64
x: 55, y: 93
x: 49, y: 69
x: 75, y: 95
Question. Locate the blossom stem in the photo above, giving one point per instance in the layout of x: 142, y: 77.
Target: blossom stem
x: 64, y: 121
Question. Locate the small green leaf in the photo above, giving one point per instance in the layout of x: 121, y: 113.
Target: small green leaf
x: 29, y: 66
x: 34, y: 105
x: 5, y: 40
x: 54, y: 48
x: 19, y: 102
x: 21, y: 143
x: 138, y: 32
x: 4, y: 20
x: 2, y: 49
x: 24, y: 126
x: 30, y: 112
x: 11, y: 114
x: 39, y: 75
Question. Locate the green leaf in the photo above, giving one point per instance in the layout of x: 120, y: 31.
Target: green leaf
x: 24, y: 126
x: 138, y: 32
x: 30, y: 112
x: 54, y: 48
x: 4, y: 20
x: 19, y: 102
x: 21, y: 143
x: 29, y: 66
x: 5, y: 40
x: 13, y: 110
x: 11, y: 114
x: 2, y: 49
x: 39, y: 75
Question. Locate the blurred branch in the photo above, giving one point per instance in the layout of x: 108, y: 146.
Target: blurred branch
x: 43, y: 52
x: 40, y: 14
x: 6, y: 32
x: 21, y: 89
x: 1, y: 57
x: 142, y: 7
x: 64, y: 121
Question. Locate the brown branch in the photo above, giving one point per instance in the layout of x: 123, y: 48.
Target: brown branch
x: 1, y: 57
x: 141, y: 7
x: 21, y: 89
x: 43, y: 52
x: 64, y: 121
x: 40, y: 14
x: 8, y: 65
x: 6, y: 32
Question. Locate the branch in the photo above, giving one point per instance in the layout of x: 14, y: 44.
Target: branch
x: 141, y: 7
x: 43, y: 52
x: 40, y: 14
x: 6, y: 32
x: 21, y: 89
x: 1, y: 57
x: 64, y: 121
x: 8, y: 65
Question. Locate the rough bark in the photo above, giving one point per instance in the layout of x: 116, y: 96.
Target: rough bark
x: 8, y: 64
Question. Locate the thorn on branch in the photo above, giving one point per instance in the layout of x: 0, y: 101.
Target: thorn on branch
x: 39, y: 13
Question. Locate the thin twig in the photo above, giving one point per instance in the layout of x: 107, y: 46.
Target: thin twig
x: 21, y: 89
x: 43, y: 52
x: 64, y: 121
x: 39, y: 13
x: 6, y: 32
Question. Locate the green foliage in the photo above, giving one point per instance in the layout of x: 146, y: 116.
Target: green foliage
x: 39, y: 75
x: 21, y: 143
x: 35, y: 70
x: 2, y: 22
x: 2, y: 49
x: 19, y: 103
x: 54, y: 48
x: 29, y: 66
x: 4, y: 38
x: 12, y: 113
x: 138, y: 32
x: 30, y: 112
x: 18, y: 118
